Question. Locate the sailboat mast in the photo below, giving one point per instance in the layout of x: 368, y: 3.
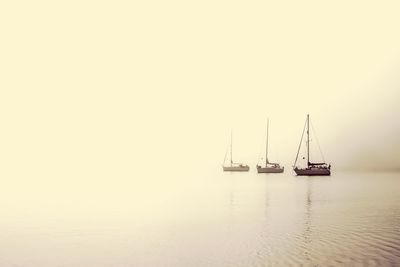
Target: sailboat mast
x: 266, y: 149
x: 231, y: 149
x: 308, y: 140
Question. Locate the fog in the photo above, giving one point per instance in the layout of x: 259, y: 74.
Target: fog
x: 101, y: 89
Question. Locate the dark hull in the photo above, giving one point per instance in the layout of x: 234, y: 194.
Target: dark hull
x: 313, y: 172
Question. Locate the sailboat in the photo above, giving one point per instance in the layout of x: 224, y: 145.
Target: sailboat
x: 269, y: 167
x: 234, y: 167
x: 316, y: 168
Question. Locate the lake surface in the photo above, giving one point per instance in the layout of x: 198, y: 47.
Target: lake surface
x: 206, y: 219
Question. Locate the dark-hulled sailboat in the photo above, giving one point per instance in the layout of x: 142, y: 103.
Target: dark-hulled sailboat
x: 312, y: 169
x: 269, y: 167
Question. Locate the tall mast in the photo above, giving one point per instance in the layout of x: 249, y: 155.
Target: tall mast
x: 231, y: 148
x: 266, y: 149
x: 308, y: 140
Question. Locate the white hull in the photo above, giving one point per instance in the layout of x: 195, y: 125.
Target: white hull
x: 236, y: 168
x: 270, y: 170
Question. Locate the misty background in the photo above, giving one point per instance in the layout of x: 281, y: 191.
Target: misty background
x: 104, y: 89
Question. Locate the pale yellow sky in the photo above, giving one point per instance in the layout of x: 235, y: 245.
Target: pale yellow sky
x: 104, y: 88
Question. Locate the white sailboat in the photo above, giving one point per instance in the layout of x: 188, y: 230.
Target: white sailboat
x: 316, y: 169
x: 269, y: 167
x: 234, y: 167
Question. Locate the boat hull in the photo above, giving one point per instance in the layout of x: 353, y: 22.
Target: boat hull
x: 269, y: 170
x: 312, y: 172
x: 236, y: 168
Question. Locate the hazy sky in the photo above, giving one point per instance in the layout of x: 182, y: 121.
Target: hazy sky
x: 105, y: 88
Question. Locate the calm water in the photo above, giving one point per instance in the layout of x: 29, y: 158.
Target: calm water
x: 210, y: 219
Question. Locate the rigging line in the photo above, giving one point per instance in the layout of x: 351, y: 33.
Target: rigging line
x: 231, y: 147
x: 298, y: 150
x: 316, y: 138
x: 260, y: 158
x: 266, y: 148
x: 226, y: 153
x: 277, y: 155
